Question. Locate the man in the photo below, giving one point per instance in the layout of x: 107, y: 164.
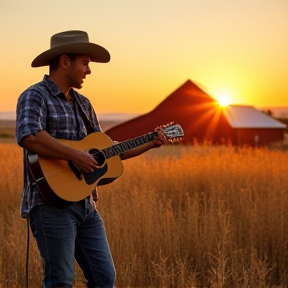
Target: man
x: 52, y: 109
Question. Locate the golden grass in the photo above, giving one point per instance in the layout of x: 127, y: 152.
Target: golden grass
x: 178, y: 217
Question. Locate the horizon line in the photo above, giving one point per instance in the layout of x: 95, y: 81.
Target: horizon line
x: 117, y: 116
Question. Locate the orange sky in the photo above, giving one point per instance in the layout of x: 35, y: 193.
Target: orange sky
x: 233, y: 47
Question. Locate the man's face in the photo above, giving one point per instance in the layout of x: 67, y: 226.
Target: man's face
x: 77, y: 71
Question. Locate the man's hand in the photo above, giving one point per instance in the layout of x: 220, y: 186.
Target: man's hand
x: 85, y: 162
x: 161, y: 139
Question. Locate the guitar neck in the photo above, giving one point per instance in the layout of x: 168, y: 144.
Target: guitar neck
x: 124, y: 146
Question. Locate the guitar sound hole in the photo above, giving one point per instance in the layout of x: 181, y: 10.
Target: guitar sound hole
x: 98, y: 156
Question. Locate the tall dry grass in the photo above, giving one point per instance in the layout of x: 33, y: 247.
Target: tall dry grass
x: 178, y: 217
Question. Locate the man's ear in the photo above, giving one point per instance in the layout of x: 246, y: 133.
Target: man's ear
x: 64, y: 61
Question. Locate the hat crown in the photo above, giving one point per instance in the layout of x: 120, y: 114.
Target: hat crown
x: 69, y: 37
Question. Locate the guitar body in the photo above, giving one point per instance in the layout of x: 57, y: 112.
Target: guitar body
x: 63, y: 182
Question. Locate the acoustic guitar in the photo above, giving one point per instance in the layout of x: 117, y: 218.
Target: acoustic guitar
x: 60, y: 182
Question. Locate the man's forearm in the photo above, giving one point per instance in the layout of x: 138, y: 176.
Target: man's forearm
x: 137, y: 151
x: 45, y: 145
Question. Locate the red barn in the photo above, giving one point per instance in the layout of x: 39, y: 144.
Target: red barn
x: 253, y: 127
x: 202, y: 119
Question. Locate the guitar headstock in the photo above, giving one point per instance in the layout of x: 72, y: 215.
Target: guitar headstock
x: 172, y: 132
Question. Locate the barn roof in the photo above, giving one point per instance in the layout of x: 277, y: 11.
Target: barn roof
x: 240, y: 116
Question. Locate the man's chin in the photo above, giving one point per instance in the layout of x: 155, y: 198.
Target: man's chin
x: 79, y: 86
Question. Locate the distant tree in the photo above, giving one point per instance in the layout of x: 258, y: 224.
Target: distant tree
x: 268, y: 112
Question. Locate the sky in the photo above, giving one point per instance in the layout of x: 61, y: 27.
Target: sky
x: 237, y: 48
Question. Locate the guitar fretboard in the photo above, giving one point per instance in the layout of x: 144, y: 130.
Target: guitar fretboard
x: 128, y: 144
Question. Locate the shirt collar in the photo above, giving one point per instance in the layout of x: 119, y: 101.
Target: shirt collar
x: 53, y: 88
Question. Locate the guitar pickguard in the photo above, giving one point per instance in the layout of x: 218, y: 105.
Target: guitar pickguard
x: 91, y: 178
x: 98, y: 155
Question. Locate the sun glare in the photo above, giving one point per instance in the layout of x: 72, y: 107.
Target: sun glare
x: 223, y: 100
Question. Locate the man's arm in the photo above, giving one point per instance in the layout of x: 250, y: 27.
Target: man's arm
x: 45, y: 145
x: 158, y: 142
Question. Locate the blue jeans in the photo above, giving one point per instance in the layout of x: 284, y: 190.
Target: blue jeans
x: 76, y: 232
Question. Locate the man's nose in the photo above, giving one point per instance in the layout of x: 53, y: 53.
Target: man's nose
x: 88, y: 70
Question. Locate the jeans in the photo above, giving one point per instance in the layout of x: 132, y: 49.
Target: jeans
x: 76, y: 232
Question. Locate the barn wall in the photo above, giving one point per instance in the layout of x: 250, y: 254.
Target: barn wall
x: 255, y: 137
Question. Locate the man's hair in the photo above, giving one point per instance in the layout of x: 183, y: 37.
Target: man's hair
x: 54, y: 63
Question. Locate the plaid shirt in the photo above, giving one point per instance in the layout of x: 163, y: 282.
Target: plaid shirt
x: 43, y: 106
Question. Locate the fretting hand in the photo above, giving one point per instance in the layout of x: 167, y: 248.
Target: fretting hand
x: 161, y: 139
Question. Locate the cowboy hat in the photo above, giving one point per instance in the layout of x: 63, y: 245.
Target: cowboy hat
x: 75, y: 42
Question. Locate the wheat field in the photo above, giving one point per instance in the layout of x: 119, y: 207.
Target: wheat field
x: 179, y: 217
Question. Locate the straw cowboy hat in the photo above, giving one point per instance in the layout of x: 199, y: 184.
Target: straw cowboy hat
x: 74, y: 41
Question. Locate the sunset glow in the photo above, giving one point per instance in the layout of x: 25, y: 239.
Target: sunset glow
x: 155, y: 47
x: 223, y: 100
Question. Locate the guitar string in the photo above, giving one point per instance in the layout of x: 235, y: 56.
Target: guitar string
x: 113, y: 148
x: 101, y: 151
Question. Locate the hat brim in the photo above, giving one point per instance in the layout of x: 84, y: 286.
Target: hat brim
x: 96, y: 52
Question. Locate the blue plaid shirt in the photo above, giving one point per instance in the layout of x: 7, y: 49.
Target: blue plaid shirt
x: 43, y: 106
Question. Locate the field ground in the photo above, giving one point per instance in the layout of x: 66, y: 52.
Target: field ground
x: 179, y: 217
x: 7, y: 131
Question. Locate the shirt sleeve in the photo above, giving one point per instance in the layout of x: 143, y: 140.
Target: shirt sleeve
x: 30, y: 114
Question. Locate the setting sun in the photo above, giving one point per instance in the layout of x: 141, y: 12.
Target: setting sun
x: 223, y: 100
